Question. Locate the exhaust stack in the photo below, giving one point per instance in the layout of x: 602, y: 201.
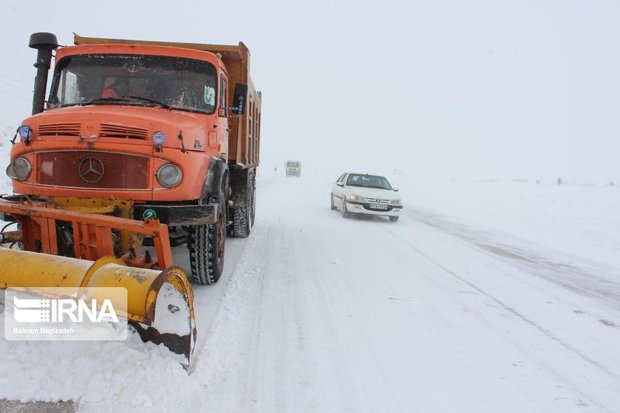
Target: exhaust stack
x: 44, y: 43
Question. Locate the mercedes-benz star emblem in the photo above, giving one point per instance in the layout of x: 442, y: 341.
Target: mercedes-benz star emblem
x: 91, y: 170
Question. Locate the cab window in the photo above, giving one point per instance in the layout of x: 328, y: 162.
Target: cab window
x: 223, y: 96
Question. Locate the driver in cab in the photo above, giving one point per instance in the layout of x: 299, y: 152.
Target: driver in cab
x: 115, y: 87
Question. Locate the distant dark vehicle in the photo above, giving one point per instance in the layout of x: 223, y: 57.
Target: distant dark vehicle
x: 293, y: 168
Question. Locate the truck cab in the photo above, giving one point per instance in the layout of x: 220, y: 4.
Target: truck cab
x: 144, y: 130
x: 136, y: 123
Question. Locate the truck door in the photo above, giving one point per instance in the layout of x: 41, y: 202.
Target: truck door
x: 222, y: 130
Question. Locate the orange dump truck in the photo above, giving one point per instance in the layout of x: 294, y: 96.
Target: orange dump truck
x: 140, y: 144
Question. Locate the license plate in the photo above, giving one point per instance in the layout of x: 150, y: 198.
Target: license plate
x: 378, y: 206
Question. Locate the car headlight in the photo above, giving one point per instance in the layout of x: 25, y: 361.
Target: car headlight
x: 169, y: 175
x: 396, y: 202
x: 357, y: 198
x: 19, y: 169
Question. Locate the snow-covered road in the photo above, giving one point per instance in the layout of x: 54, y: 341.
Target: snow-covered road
x: 316, y: 312
x: 366, y: 315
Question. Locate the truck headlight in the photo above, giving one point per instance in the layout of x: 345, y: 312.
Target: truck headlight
x: 24, y: 132
x: 169, y: 175
x: 19, y: 169
x: 159, y: 138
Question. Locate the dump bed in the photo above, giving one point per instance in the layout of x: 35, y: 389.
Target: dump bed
x: 244, y: 137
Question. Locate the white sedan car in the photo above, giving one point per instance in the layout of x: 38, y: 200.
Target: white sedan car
x: 365, y: 194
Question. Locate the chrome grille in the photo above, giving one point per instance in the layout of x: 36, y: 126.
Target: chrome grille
x: 377, y: 201
x: 120, y: 171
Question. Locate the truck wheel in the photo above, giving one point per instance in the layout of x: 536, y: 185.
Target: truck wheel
x: 206, y: 246
x: 242, y: 220
x: 242, y: 197
x: 253, y: 214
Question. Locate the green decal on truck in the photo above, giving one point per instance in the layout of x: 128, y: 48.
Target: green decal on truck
x: 149, y: 214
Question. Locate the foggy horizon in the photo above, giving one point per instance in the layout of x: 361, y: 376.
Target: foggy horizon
x: 517, y: 90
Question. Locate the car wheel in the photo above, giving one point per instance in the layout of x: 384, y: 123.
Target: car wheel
x: 394, y: 219
x: 345, y: 212
x: 331, y: 198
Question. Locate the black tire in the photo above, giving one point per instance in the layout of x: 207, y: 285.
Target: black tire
x: 345, y: 212
x: 242, y: 221
x: 253, y: 200
x: 331, y: 198
x: 206, y: 245
x: 393, y: 219
x: 242, y: 210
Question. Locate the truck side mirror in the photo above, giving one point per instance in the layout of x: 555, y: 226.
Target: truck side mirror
x: 240, y: 98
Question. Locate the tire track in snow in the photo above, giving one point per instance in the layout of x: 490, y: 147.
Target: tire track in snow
x: 528, y: 321
x: 262, y: 353
x: 339, y: 291
x: 598, y: 282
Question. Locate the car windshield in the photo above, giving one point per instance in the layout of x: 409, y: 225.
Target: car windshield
x: 169, y: 82
x: 368, y: 181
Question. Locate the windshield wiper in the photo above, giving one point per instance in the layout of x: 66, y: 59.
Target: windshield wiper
x: 103, y: 100
x: 125, y: 99
x: 163, y: 105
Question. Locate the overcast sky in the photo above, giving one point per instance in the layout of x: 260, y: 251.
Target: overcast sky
x: 491, y: 89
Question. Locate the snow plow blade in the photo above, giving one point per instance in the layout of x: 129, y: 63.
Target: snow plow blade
x: 160, y: 303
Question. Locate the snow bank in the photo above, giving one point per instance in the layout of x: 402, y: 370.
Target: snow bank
x: 583, y: 220
x: 128, y: 376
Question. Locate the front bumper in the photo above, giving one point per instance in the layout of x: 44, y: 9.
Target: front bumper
x: 367, y: 209
x: 177, y: 214
x: 166, y: 214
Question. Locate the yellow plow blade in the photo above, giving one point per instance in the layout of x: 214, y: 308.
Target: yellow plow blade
x: 160, y: 303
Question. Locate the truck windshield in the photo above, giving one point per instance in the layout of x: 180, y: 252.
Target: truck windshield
x: 173, y: 82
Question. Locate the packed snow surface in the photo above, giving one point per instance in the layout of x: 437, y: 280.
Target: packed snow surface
x: 484, y: 297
